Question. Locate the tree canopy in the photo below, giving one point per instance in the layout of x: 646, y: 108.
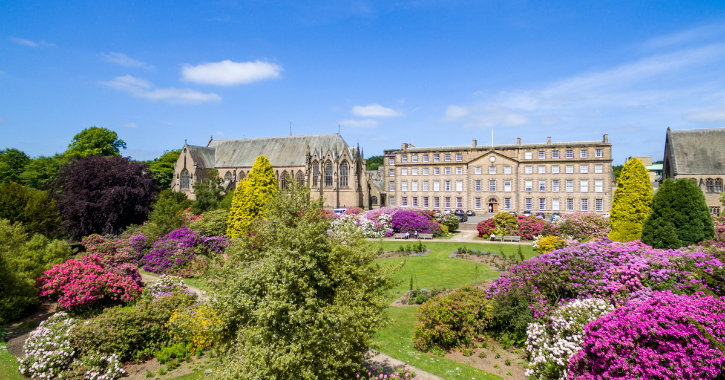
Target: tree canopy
x: 12, y: 164
x: 374, y: 162
x: 34, y: 209
x: 95, y: 141
x: 208, y: 193
x: 40, y: 170
x: 632, y: 202
x: 251, y: 197
x: 163, y: 168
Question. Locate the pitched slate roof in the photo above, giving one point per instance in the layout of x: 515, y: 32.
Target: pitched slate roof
x: 202, y: 156
x: 698, y: 151
x: 281, y: 151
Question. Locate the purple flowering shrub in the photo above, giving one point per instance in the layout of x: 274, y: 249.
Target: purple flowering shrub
x: 414, y: 221
x: 181, y: 248
x: 656, y: 338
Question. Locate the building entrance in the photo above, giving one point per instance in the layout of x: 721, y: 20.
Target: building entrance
x: 492, y: 205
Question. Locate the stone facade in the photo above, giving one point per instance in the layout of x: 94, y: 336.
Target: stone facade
x: 325, y: 163
x: 537, y: 178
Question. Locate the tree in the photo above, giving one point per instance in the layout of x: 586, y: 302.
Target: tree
x: 680, y: 216
x: 617, y: 171
x: 295, y: 302
x: 632, y: 202
x: 252, y: 196
x: 12, y: 164
x: 103, y: 195
x: 163, y: 168
x: 33, y: 208
x: 95, y: 141
x: 374, y: 162
x: 39, y: 171
x: 208, y: 193
x: 166, y: 214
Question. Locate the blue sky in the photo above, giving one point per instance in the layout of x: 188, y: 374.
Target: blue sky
x: 429, y: 73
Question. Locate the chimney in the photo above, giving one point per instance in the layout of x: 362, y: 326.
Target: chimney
x: 404, y: 146
x: 518, y: 141
x: 606, y: 138
x: 475, y: 143
x: 548, y: 140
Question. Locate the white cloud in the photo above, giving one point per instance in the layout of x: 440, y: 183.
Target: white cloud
x: 456, y: 112
x: 548, y: 120
x: 220, y: 133
x: 143, y: 89
x: 709, y: 115
x: 131, y: 125
x: 126, y: 61
x: 368, y: 123
x: 23, y: 41
x: 497, y: 116
x: 375, y: 110
x: 228, y: 73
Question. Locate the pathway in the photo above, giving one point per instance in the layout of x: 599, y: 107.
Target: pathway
x: 147, y: 277
x: 380, y: 360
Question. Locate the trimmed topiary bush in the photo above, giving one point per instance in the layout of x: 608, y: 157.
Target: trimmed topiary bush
x: 632, y: 202
x: 251, y: 197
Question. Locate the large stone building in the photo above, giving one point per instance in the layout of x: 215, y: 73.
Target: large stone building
x: 325, y: 163
x: 538, y: 178
x: 697, y: 154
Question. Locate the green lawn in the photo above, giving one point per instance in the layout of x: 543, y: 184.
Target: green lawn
x: 195, y: 282
x: 8, y: 363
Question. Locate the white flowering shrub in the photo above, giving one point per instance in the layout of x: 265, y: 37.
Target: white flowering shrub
x: 165, y: 286
x: 48, y: 351
x: 370, y: 228
x: 551, y: 346
x: 95, y: 367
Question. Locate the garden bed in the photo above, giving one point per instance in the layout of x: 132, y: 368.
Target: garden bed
x: 393, y: 254
x: 486, y: 359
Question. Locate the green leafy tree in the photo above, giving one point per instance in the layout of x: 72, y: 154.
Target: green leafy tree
x: 680, y: 216
x: 33, y: 208
x: 166, y: 213
x: 374, y: 162
x: 12, y: 164
x: 208, y: 193
x: 632, y: 202
x: 212, y: 223
x: 617, y: 171
x: 41, y: 170
x: 163, y: 168
x: 95, y: 141
x: 296, y: 303
x: 252, y: 196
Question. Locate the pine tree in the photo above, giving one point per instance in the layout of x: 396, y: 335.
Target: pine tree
x: 252, y: 197
x: 632, y: 202
x: 680, y: 216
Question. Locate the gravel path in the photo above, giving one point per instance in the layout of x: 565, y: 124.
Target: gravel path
x: 380, y: 360
x: 147, y: 277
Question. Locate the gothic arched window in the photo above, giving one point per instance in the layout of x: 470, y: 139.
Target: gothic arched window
x: 300, y: 177
x: 242, y: 175
x: 344, y: 172
x: 283, y: 180
x: 228, y: 176
x: 184, y: 179
x: 709, y: 185
x: 718, y: 185
x: 315, y: 173
x: 328, y: 174
x: 374, y: 200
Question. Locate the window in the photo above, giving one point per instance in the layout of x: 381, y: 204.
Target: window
x: 599, y: 168
x: 391, y: 161
x: 555, y: 154
x: 185, y: 180
x: 448, y: 186
x: 414, y: 171
x: 436, y: 171
x: 477, y: 186
x: 344, y: 172
x: 447, y: 158
x: 569, y: 153
x: 373, y: 200
x: 425, y: 185
x: 403, y: 159
x: 598, y: 153
x: 598, y: 186
x: 569, y: 204
x: 507, y: 186
x: 492, y: 185
x: 528, y: 155
x: 392, y: 201
x: 584, y: 186
x: 404, y: 202
x: 715, y: 211
x: 414, y: 186
x: 542, y: 169
x: 477, y: 170
x: 709, y: 185
x: 528, y: 203
x: 585, y: 204
x: 448, y: 202
x: 478, y: 203
x: 555, y: 185
x: 316, y: 173
x: 555, y: 204
x: 569, y: 185
x: 583, y: 153
x: 459, y: 185
x: 436, y: 185
x: 459, y: 157
x: 425, y: 202
x: 542, y: 155
x: 528, y: 169
x: 415, y: 201
x: 528, y: 185
x: 459, y: 170
x: 459, y: 202
x: 584, y: 169
x: 403, y: 185
x: 542, y: 186
x: 506, y: 170
x: 425, y: 159
x: 436, y: 202
x: 436, y: 158
x: 599, y: 205
x: 425, y: 171
x: 391, y: 186
x: 328, y: 174
x: 391, y: 173
x: 300, y: 177
x: 491, y: 170
x: 542, y: 204
x: 448, y: 171
x: 404, y: 171
x: 554, y: 169
x: 718, y: 185
x: 414, y: 158
x: 507, y: 203
x: 569, y: 169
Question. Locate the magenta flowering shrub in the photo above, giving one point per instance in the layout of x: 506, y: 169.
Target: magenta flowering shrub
x: 84, y: 283
x: 654, y: 339
x: 413, y: 221
x: 352, y: 211
x: 583, y: 226
x: 531, y: 227
x: 179, y: 249
x: 118, y: 254
x: 719, y: 222
x: 485, y: 228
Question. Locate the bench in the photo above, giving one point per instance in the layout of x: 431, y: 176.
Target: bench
x: 511, y: 238
x: 399, y: 236
x: 425, y: 236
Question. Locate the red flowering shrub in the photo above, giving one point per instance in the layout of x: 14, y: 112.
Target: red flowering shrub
x: 84, y: 283
x: 485, y: 228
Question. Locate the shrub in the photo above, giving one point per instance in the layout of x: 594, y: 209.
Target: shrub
x: 33, y: 208
x: 166, y: 286
x: 212, y: 223
x: 485, y: 228
x: 449, y: 220
x: 117, y: 254
x: 83, y: 284
x: 632, y: 202
x: 549, y: 243
x: 251, y: 197
x: 352, y: 211
x: 179, y: 248
x: 506, y: 224
x: 166, y: 213
x: 48, y: 350
x: 176, y: 351
x: 413, y: 221
x: 667, y: 336
x: 95, y: 366
x: 533, y: 226
x: 197, y: 327
x: 453, y: 320
x: 583, y: 226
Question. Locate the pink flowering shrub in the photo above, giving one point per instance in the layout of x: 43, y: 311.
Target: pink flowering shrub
x: 719, y: 222
x: 485, y: 228
x: 118, y: 253
x: 84, y: 283
x: 583, y: 226
x: 657, y: 338
x: 352, y: 211
x: 532, y: 226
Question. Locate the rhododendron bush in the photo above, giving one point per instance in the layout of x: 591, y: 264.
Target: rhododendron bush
x: 532, y: 226
x: 583, y: 226
x: 181, y: 248
x: 386, y: 221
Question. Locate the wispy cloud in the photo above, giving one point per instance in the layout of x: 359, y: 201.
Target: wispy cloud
x: 687, y: 36
x: 131, y: 125
x: 228, y: 73
x: 368, y: 123
x: 144, y: 89
x: 24, y: 42
x: 454, y: 113
x: 374, y: 110
x: 126, y: 61
x: 709, y: 115
x: 220, y: 133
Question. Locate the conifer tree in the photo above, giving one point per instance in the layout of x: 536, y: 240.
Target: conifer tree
x: 252, y: 197
x: 680, y: 216
x: 632, y: 202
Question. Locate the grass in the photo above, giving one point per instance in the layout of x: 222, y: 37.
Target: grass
x: 396, y: 340
x: 8, y: 362
x: 197, y: 375
x: 195, y: 282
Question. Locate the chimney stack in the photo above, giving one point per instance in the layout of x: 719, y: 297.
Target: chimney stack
x: 548, y: 140
x: 518, y: 141
x: 606, y: 138
x: 475, y: 143
x: 404, y: 146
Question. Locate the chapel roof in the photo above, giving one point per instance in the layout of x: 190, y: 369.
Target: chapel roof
x: 697, y: 151
x: 202, y: 156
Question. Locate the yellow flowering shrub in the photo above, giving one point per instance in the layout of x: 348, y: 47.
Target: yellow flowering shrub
x: 549, y: 243
x: 197, y: 326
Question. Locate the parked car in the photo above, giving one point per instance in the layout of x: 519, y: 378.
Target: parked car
x: 339, y: 210
x: 459, y: 211
x: 555, y: 216
x: 461, y: 215
x: 526, y: 214
x: 470, y: 213
x: 606, y: 215
x: 513, y: 213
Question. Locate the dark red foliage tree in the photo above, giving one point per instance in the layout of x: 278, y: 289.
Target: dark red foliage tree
x: 103, y: 195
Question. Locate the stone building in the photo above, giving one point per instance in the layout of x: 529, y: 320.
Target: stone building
x: 697, y: 154
x: 325, y: 163
x: 537, y: 178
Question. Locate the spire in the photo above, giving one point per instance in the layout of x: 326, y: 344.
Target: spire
x: 290, y: 128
